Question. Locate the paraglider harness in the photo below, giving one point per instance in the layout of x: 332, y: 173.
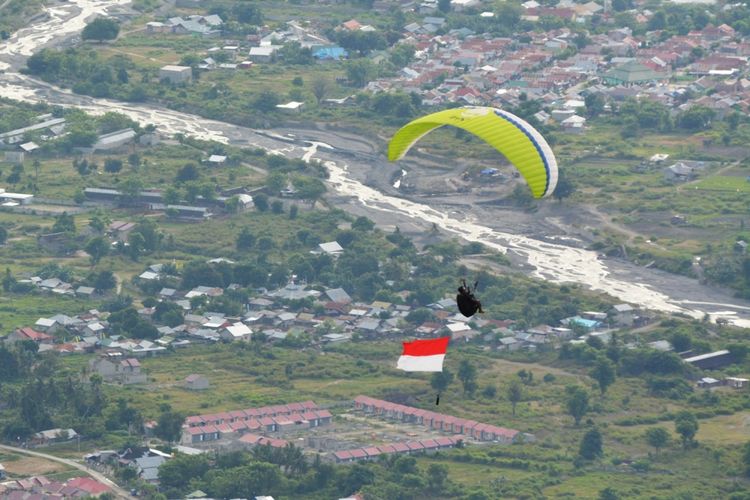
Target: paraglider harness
x: 467, y: 303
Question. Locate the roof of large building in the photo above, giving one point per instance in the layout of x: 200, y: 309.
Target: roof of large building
x: 632, y: 72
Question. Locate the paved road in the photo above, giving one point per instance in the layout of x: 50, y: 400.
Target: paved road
x: 119, y: 492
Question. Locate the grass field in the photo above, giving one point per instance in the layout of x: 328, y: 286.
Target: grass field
x: 724, y: 183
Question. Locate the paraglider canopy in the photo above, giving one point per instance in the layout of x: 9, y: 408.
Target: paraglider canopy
x: 518, y: 141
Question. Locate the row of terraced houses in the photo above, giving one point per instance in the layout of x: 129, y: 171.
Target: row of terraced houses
x: 438, y: 421
x: 234, y: 424
x: 373, y: 452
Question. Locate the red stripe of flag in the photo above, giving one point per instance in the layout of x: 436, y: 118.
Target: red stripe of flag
x: 429, y: 347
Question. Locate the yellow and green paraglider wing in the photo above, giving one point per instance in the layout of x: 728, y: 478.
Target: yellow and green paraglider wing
x: 518, y: 141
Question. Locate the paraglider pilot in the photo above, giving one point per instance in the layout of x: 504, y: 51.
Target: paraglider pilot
x: 467, y: 303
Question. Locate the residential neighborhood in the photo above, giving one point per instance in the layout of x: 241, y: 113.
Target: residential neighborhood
x: 239, y: 238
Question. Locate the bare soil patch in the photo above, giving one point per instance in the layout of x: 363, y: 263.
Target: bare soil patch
x: 31, y: 466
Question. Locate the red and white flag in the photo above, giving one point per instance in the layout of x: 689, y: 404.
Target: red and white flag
x: 423, y: 355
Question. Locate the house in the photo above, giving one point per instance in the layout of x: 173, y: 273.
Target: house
x: 113, y: 369
x: 176, y: 74
x: 217, y: 160
x: 708, y: 382
x: 196, y: 382
x: 53, y: 436
x: 120, y: 230
x: 711, y: 360
x: 114, y: 140
x: 331, y: 248
x: 49, y: 326
x: 682, y: 172
x: 236, y: 331
x: 509, y: 344
x: 351, y: 25
x: 17, y: 135
x: 329, y: 53
x: 624, y: 314
x: 291, y: 106
x: 147, y: 467
x: 85, y: 291
x: 574, y: 124
x: 736, y: 382
x: 14, y: 157
x: 28, y: 333
x: 661, y: 345
x: 14, y: 199
x: 263, y: 54
x: 460, y: 5
x: 338, y: 295
x: 90, y: 486
x: 632, y: 73
x: 182, y: 211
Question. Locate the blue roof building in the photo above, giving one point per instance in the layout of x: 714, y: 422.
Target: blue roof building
x: 588, y: 324
x: 330, y: 53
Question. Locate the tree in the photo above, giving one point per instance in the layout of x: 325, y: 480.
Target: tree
x: 441, y: 380
x: 609, y: 494
x: 360, y: 71
x: 309, y: 188
x: 134, y: 160
x: 3, y: 235
x: 437, y: 474
x: 604, y: 373
x: 64, y: 223
x: 179, y: 471
x: 8, y: 280
x: 105, y: 280
x: 357, y: 476
x: 363, y: 224
x: 101, y: 28
x: 321, y: 87
x: 577, y: 402
x: 681, y: 341
x: 658, y: 437
x: 293, y: 210
x: 277, y: 207
x: 266, y: 101
x: 402, y: 54
x: 696, y: 118
x: 515, y: 394
x: 275, y: 182
x: 260, y: 201
x: 594, y: 104
x: 97, y: 248
x: 169, y: 425
x: 686, y: 426
x: 172, y: 196
x: 746, y: 458
x: 444, y: 6
x: 467, y: 373
x: 131, y: 188
x: 591, y: 444
x: 188, y: 172
x: 247, y: 13
x: 564, y: 188
x: 245, y: 240
x: 112, y: 165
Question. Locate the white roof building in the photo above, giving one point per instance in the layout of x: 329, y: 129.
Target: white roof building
x: 331, y: 247
x: 238, y: 331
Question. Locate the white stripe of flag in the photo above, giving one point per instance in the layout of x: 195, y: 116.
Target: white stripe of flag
x: 423, y: 355
x: 432, y: 363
